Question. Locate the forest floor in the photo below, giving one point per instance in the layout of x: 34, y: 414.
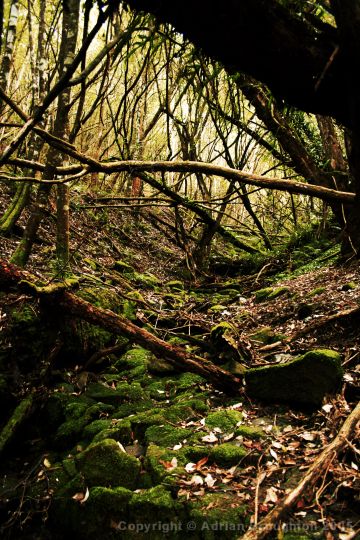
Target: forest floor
x: 197, y: 460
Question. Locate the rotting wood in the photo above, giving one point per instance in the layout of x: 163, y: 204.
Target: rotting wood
x: 267, y: 525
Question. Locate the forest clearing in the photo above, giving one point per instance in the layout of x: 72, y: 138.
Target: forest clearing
x: 179, y: 270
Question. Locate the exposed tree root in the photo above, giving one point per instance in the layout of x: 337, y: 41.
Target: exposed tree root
x: 321, y: 464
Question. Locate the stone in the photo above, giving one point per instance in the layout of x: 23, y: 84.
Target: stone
x: 303, y: 381
x: 105, y: 464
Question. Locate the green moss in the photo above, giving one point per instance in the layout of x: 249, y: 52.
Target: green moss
x: 266, y: 336
x: 173, y: 301
x: 175, y: 285
x: 196, y: 403
x: 218, y: 515
x: 16, y: 419
x: 105, y: 464
x: 127, y: 409
x: 90, y: 262
x: 135, y: 358
x: 95, y: 427
x: 142, y: 421
x: 305, y: 380
x: 250, y: 432
x: 146, y: 280
x: 165, y: 435
x: 189, y: 380
x: 159, y: 366
x: 226, y: 420
x: 349, y: 286
x: 69, y: 434
x: 318, y: 290
x: 153, y: 506
x: 220, y: 329
x: 227, y: 454
x: 159, y: 390
x: 119, y: 431
x: 217, y: 308
x: 177, y: 413
x: 123, y: 268
x: 124, y: 392
x: 155, y: 458
x: 270, y: 293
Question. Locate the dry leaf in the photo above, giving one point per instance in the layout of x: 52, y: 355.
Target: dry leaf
x: 81, y: 497
x: 202, y: 462
x: 211, y: 438
x: 190, y: 467
x: 47, y: 463
x: 209, y: 480
x: 327, y: 408
x: 197, y: 480
x: 271, y: 495
x: 170, y: 465
x: 307, y: 436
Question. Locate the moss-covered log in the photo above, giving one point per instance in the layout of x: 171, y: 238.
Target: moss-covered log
x: 70, y: 304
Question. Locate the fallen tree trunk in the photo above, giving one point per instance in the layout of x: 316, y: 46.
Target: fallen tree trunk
x: 267, y: 525
x: 70, y: 304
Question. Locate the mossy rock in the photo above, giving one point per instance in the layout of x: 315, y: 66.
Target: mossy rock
x: 197, y: 404
x: 250, y: 432
x: 153, y: 506
x: 118, y: 431
x: 97, y: 518
x: 189, y: 380
x: 178, y: 413
x: 305, y: 310
x: 220, y: 329
x: 266, y: 336
x: 318, y: 290
x: 105, y: 464
x: 270, y: 293
x: 304, y: 381
x: 95, y: 427
x: 218, y: 515
x: 234, y: 367
x: 123, y: 267
x: 159, y: 366
x: 225, y: 420
x: 175, y: 285
x: 146, y: 280
x: 217, y: 308
x: 142, y: 421
x: 129, y: 409
x: 173, y: 301
x: 349, y: 286
x: 160, y: 390
x: 227, y: 454
x: 124, y: 392
x: 154, y: 461
x: 136, y: 358
x: 166, y: 435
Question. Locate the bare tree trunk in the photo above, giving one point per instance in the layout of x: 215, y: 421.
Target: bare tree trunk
x: 54, y: 158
